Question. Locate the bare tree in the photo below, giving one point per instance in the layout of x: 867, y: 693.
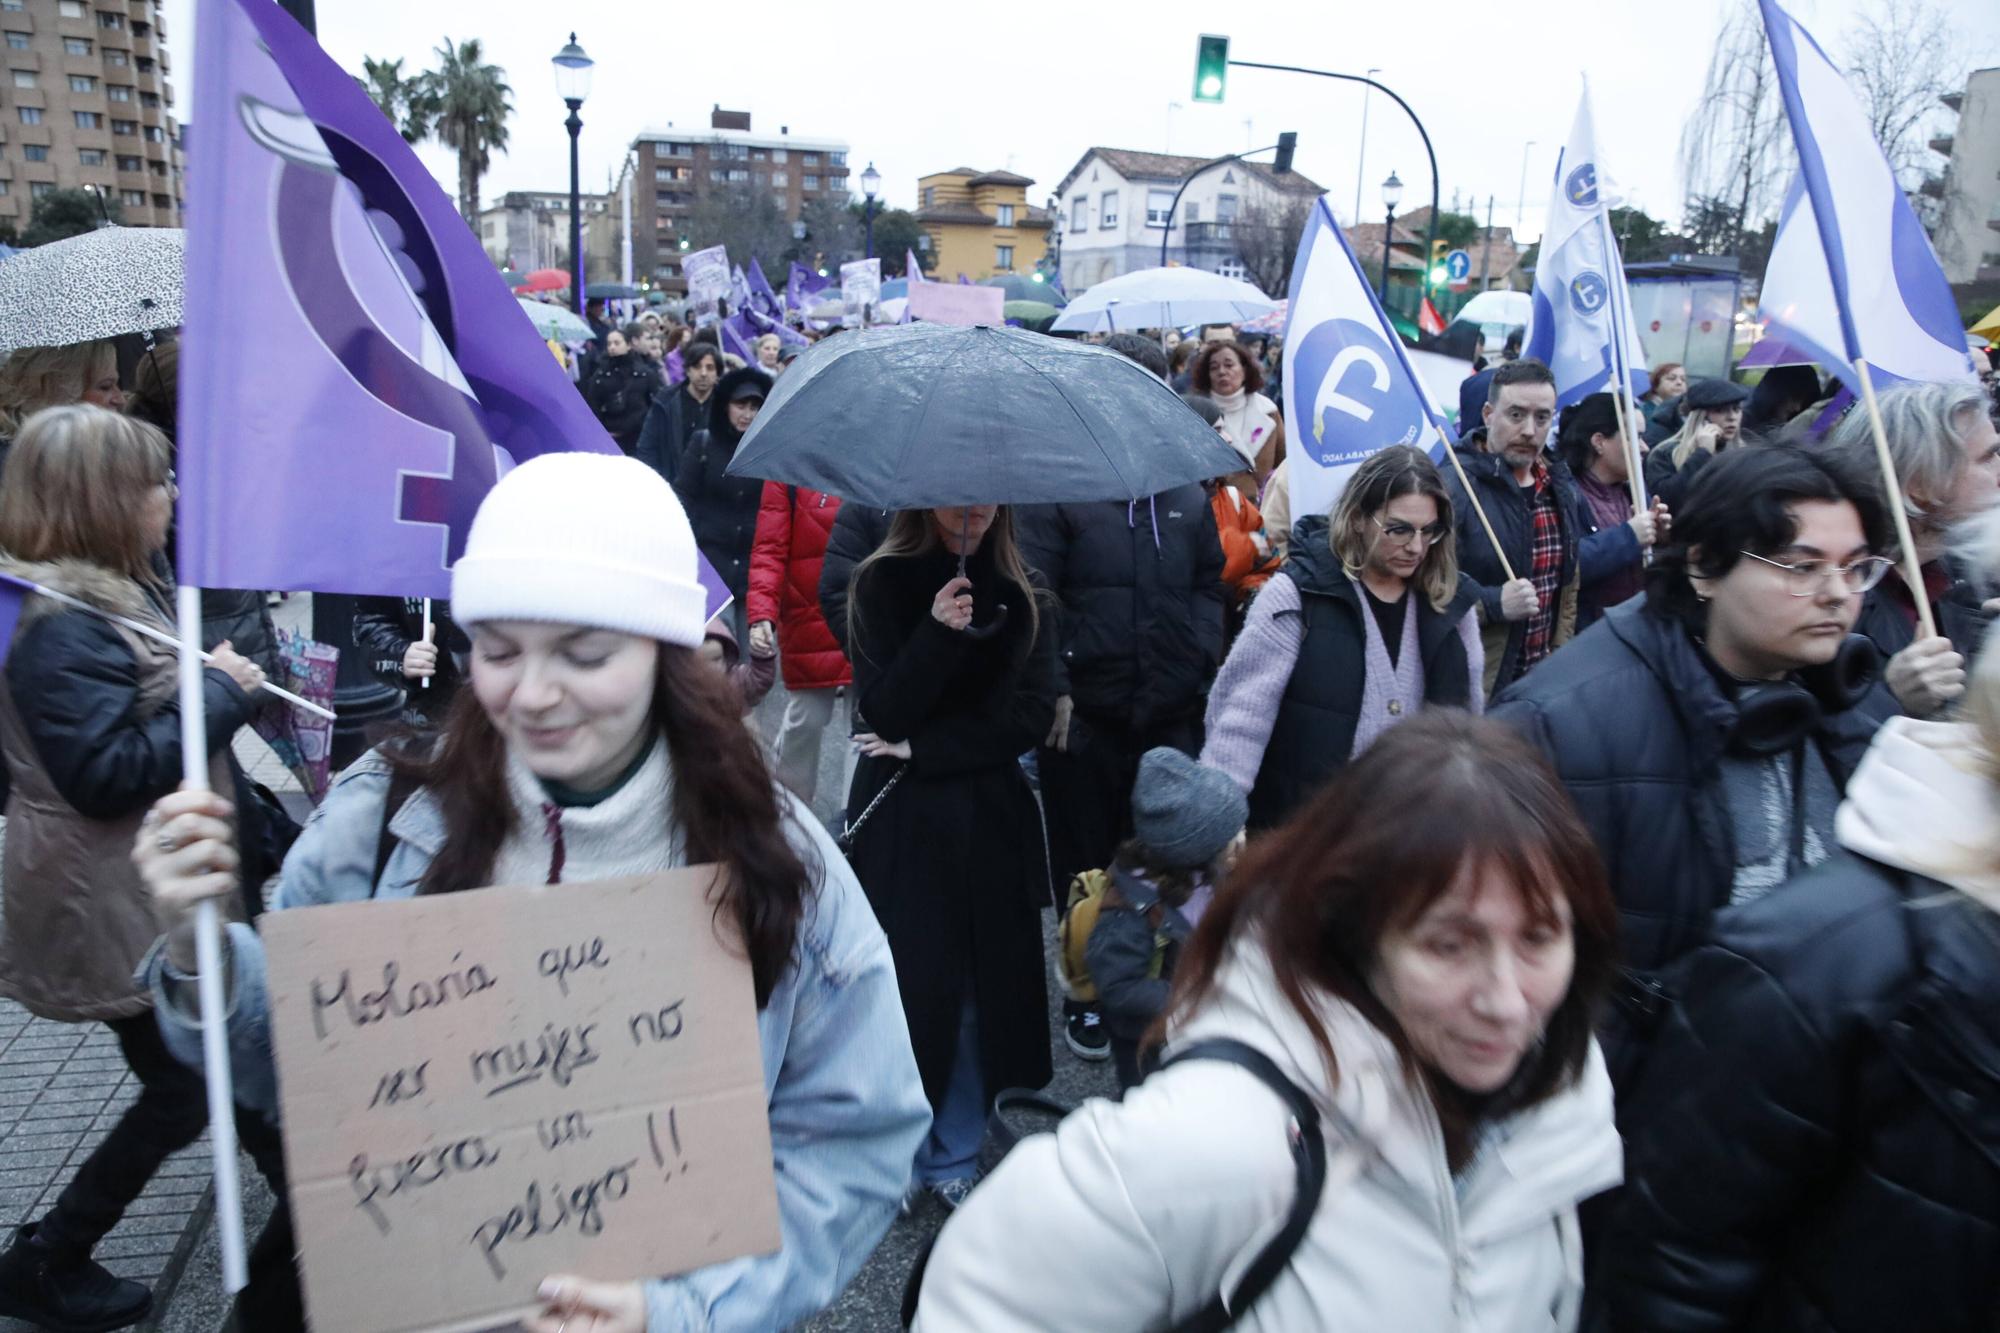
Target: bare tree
x: 748, y: 221
x: 1735, y: 148
x: 1902, y: 58
x: 1267, y: 231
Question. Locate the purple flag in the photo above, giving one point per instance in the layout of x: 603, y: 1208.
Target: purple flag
x: 737, y: 337
x: 13, y: 592
x: 739, y: 289
x: 786, y: 334
x: 913, y: 270
x: 762, y: 299
x: 355, y: 373
x: 676, y: 369
x: 964, y: 281
x: 803, y: 285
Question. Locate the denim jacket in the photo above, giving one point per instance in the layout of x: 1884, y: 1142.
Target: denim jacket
x: 847, y: 1109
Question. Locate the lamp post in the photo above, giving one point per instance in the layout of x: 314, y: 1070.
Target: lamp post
x: 871, y: 181
x: 1361, y: 157
x: 1392, y: 194
x: 573, y: 85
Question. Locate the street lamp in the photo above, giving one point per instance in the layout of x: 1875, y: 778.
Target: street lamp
x: 573, y: 85
x: 871, y: 181
x: 1392, y: 194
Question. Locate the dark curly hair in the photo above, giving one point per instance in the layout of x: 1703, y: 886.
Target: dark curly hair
x: 1253, y: 372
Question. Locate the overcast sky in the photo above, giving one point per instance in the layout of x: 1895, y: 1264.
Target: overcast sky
x: 944, y: 87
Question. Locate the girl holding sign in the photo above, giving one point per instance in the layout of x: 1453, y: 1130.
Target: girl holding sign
x: 594, y: 743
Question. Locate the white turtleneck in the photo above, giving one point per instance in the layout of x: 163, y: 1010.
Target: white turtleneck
x: 1249, y: 417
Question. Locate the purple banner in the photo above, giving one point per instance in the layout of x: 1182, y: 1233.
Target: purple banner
x: 354, y: 373
x: 13, y: 592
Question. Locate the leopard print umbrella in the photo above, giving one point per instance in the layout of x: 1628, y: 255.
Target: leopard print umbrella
x: 98, y: 285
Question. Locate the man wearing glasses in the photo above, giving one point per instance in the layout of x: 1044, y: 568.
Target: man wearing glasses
x: 1707, y: 730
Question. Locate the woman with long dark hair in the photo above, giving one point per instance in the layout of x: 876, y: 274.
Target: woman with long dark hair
x: 1612, y: 541
x: 1418, y: 953
x: 954, y: 679
x: 1367, y: 621
x: 593, y: 742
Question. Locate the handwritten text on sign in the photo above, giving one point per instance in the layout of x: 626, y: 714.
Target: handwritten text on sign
x: 480, y: 1089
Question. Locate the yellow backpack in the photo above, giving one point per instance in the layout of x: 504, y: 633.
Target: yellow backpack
x: 1086, y: 900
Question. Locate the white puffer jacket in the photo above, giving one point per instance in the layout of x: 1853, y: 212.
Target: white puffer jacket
x: 1132, y: 1215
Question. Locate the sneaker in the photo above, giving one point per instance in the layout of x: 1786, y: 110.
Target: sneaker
x: 66, y: 1294
x: 1083, y: 1030
x: 952, y: 1193
x: 908, y: 1206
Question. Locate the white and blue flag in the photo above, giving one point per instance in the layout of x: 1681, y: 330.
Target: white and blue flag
x: 1581, y: 302
x: 1349, y: 387
x: 1852, y: 276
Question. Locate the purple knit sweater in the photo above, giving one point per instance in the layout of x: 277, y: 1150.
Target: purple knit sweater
x: 1243, y: 706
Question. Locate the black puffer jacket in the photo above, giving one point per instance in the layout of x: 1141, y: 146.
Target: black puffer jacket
x: 1507, y: 508
x: 1636, y: 724
x: 1142, y: 602
x: 1820, y: 1141
x: 722, y: 509
x: 673, y: 416
x: 1960, y: 615
x: 857, y: 531
x: 619, y: 390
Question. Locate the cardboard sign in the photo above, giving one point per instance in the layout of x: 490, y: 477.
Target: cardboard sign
x: 707, y: 274
x: 954, y: 303
x: 860, y: 292
x: 481, y: 1089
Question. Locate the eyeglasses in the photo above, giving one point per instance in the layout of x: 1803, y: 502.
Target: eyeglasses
x: 1806, y: 577
x: 1402, y: 533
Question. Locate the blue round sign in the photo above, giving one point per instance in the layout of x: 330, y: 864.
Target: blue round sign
x: 1458, y: 266
x: 1581, y: 186
x: 1354, y: 397
x: 1588, y: 292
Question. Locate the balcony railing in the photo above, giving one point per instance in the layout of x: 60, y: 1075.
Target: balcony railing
x: 1211, y: 233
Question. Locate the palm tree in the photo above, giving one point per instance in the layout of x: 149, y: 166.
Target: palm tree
x: 403, y: 100
x: 466, y: 104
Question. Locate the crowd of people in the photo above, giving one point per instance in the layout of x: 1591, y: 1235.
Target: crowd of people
x: 1504, y: 904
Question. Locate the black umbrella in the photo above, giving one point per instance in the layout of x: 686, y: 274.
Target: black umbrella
x: 922, y: 416
x: 1019, y: 288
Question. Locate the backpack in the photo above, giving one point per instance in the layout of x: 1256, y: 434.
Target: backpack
x: 1308, y: 1146
x: 1080, y: 913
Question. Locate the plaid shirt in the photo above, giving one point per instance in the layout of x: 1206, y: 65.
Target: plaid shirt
x: 1545, y: 557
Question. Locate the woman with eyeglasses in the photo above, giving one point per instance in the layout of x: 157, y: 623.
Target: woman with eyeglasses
x: 1368, y: 621
x: 1707, y: 731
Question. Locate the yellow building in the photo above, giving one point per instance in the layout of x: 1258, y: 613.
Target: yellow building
x: 981, y: 223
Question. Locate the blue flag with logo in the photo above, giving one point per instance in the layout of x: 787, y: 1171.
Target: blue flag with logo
x: 1852, y: 276
x: 1581, y: 304
x: 1349, y: 387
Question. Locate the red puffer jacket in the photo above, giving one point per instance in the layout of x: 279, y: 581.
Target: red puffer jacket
x: 785, y: 559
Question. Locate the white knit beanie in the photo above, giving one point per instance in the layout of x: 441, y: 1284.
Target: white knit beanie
x: 583, y: 539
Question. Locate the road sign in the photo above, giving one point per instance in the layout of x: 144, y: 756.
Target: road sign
x: 1458, y: 269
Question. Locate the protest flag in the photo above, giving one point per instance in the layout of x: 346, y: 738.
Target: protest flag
x: 1428, y: 319
x: 803, y: 285
x: 1581, y: 321
x: 913, y: 270
x: 739, y: 289
x: 762, y: 299
x: 737, y: 337
x: 1889, y: 307
x: 1349, y: 388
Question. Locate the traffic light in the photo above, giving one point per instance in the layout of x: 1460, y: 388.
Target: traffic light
x: 1440, y: 272
x: 684, y: 242
x: 1211, y: 67
x: 1288, y: 142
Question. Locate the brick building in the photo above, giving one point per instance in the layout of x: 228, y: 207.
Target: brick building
x: 674, y: 167
x: 86, y: 104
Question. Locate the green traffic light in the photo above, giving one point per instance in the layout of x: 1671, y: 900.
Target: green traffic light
x: 1211, y: 67
x: 1439, y: 273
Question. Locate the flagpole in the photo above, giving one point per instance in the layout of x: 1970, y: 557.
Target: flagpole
x: 1621, y: 369
x: 427, y: 633
x: 1892, y: 492
x: 208, y: 961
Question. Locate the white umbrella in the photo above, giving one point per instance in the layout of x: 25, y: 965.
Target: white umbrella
x: 1511, y: 308
x: 1163, y: 298
x: 557, y: 322
x: 98, y: 285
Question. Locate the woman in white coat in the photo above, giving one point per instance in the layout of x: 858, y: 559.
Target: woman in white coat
x: 1419, y: 949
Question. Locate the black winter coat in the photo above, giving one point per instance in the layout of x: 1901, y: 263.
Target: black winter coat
x: 1819, y: 1147
x: 952, y: 858
x: 384, y: 629
x: 1142, y: 600
x: 722, y: 509
x: 1960, y: 616
x: 1507, y: 509
x: 1321, y: 708
x: 619, y: 391
x: 243, y: 620
x: 857, y: 531
x: 1636, y: 724
x: 671, y: 419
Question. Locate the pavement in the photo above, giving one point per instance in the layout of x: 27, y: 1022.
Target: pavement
x: 62, y: 1086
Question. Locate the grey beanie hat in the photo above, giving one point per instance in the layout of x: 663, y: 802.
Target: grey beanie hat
x: 1184, y: 812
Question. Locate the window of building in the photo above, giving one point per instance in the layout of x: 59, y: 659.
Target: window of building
x: 36, y: 152
x: 163, y: 201
x: 836, y: 182
x: 759, y: 155
x: 1107, y: 210
x: 3, y: 187
x: 777, y: 154
x: 1191, y: 214
x: 780, y: 179
x: 812, y: 182
x: 132, y: 198
x: 36, y: 189
x: 91, y: 157
x: 30, y: 115
x: 1003, y: 215
x: 25, y: 78
x: 77, y: 46
x: 734, y: 152
x: 89, y: 120
x: 110, y: 21
x: 19, y: 41
x: 1003, y: 256
x: 72, y: 9
x: 145, y: 99
x: 678, y: 150
x: 1233, y: 268
x: 158, y: 168
x: 118, y: 58
x: 130, y: 163
x: 141, y: 29
x: 930, y: 196
x: 13, y: 6
x: 153, y: 133
x: 717, y: 174
x: 812, y: 159
x: 1079, y: 209
x: 82, y: 83
x: 1225, y: 208
x: 1157, y: 204
x: 737, y: 175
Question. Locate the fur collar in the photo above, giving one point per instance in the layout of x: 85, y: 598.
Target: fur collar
x: 103, y: 588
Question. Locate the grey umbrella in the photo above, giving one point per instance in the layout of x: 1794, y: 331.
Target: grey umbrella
x: 919, y: 416
x: 98, y: 285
